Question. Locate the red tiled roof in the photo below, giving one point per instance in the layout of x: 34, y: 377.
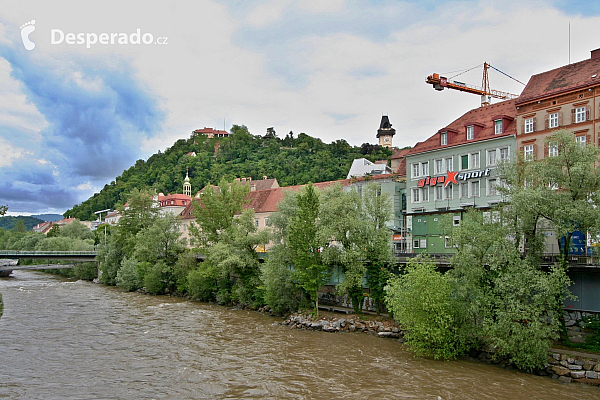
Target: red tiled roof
x: 401, y: 170
x: 563, y: 79
x: 399, y: 153
x: 482, y: 117
x: 207, y: 131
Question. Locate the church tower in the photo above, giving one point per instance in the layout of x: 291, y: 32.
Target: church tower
x: 187, y: 186
x: 385, y: 133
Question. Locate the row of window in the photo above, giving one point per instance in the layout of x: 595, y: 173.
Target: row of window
x: 465, y: 190
x: 529, y: 149
x: 467, y: 161
x: 553, y: 120
x: 422, y: 243
x: 498, y: 129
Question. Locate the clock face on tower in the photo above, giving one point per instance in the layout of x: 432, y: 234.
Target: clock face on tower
x: 386, y: 139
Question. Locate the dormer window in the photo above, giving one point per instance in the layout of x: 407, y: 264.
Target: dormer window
x: 497, y: 127
x: 470, y: 132
x: 444, y: 138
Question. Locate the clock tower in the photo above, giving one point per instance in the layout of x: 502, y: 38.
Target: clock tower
x: 385, y: 133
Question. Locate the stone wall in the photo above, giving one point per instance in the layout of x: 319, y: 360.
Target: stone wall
x: 575, y: 325
x: 329, y: 297
x: 574, y: 368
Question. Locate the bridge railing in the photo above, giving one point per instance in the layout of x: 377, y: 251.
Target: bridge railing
x: 8, y: 253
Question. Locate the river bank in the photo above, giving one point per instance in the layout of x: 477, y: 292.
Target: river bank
x: 564, y: 365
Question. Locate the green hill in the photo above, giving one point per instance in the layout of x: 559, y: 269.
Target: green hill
x: 8, y: 223
x: 292, y: 160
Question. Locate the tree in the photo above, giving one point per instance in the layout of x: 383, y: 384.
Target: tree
x: 305, y: 244
x: 215, y: 211
x: 3, y: 210
x: 76, y: 230
x: 20, y: 226
x: 422, y: 303
x: 563, y: 190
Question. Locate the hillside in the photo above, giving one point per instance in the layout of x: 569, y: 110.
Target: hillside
x: 292, y: 160
x: 8, y: 223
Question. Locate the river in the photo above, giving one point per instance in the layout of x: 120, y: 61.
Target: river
x: 64, y: 339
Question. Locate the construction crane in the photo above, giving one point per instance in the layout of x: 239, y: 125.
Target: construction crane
x: 441, y: 83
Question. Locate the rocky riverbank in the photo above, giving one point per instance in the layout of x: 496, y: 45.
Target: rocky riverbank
x: 329, y: 322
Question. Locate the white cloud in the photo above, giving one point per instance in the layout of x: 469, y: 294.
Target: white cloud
x: 266, y: 13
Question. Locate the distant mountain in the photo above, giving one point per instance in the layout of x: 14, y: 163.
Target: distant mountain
x: 49, y: 217
x: 8, y: 223
x: 293, y: 160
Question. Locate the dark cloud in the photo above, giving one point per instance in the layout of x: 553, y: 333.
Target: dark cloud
x: 97, y: 115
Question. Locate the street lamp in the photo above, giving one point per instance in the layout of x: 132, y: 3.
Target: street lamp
x: 99, y: 214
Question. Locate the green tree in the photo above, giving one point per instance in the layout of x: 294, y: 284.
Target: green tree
x: 305, y: 245
x: 215, y: 211
x: 76, y: 230
x: 422, y: 303
x: 3, y: 210
x: 20, y: 226
x: 562, y: 190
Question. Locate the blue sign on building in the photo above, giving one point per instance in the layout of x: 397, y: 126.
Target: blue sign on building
x: 577, y: 245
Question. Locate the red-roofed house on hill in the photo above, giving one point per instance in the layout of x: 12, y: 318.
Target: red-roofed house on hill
x: 456, y: 169
x: 563, y: 98
x: 210, y: 132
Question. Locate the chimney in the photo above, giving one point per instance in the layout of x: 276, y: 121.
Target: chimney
x: 243, y: 180
x: 264, y: 177
x: 252, y: 188
x: 249, y: 179
x: 595, y: 54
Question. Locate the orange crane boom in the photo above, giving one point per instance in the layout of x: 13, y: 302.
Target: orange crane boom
x: 441, y: 83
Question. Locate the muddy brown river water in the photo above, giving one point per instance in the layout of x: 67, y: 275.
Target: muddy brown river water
x: 63, y: 339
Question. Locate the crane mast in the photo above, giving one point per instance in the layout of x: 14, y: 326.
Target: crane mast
x: 440, y: 83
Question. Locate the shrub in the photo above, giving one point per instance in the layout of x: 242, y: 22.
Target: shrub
x: 127, y: 276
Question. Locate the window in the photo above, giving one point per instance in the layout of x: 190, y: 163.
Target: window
x: 449, y: 162
x: 256, y: 220
x: 580, y: 140
x: 553, y: 120
x: 580, y: 114
x: 470, y: 132
x: 491, y: 157
x: 497, y: 126
x: 425, y: 194
x: 449, y: 192
x: 456, y: 220
x: 552, y: 149
x: 528, y: 152
x: 423, y: 243
x: 492, y: 188
x: 529, y: 125
x: 475, y: 160
x: 439, y: 165
x: 464, y: 162
x: 475, y: 189
x: 504, y: 154
x: 266, y: 221
x: 425, y: 168
x: 415, y: 195
x: 464, y: 190
x: 444, y: 138
x: 447, y: 242
x: 415, y: 244
x: 439, y: 192
x: 415, y: 170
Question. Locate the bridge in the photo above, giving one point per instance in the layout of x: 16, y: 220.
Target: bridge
x: 78, y: 256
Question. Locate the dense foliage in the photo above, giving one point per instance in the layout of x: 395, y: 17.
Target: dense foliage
x: 492, y: 299
x: 292, y: 161
x: 10, y: 222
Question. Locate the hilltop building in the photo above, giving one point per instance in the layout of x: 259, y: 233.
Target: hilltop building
x: 385, y: 133
x: 210, y: 132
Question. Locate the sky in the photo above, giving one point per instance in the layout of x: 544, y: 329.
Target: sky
x: 82, y: 97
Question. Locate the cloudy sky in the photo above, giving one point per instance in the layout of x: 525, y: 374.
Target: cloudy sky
x: 74, y: 116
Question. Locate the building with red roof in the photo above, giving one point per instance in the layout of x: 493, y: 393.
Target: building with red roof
x: 456, y: 169
x: 210, y: 132
x: 563, y: 98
